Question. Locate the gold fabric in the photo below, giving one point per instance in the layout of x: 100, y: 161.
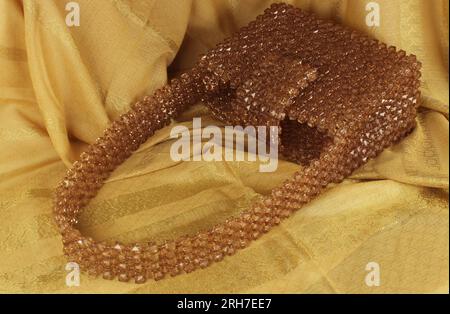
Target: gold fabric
x: 60, y: 86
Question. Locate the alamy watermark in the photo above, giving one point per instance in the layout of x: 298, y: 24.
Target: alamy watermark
x: 261, y: 143
x: 373, y: 15
x: 373, y: 277
x: 73, y: 275
x: 73, y: 15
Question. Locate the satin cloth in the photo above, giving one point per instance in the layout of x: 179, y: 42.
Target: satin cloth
x: 61, y: 86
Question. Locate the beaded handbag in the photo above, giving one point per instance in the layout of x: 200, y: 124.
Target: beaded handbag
x: 337, y: 97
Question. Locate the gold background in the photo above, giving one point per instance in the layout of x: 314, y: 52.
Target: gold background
x: 60, y: 87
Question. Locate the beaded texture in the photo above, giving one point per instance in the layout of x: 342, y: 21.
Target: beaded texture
x: 337, y: 96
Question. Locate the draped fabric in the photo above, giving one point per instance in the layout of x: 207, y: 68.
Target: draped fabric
x: 61, y: 86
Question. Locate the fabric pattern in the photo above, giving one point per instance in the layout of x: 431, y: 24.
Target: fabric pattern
x: 60, y: 86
